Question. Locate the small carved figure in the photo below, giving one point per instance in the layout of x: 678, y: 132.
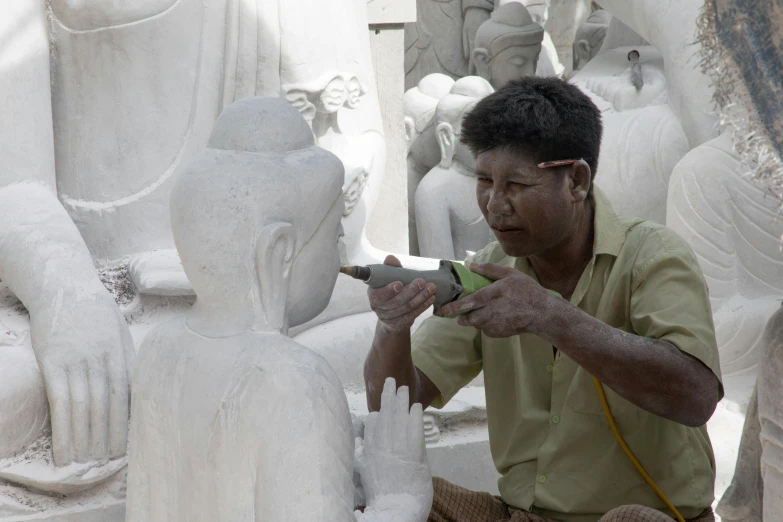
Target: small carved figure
x: 589, y: 37
x: 507, y: 46
x: 448, y: 219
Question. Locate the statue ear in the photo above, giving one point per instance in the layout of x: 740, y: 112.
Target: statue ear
x: 479, y: 63
x: 446, y: 141
x: 583, y: 50
x: 410, y: 129
x: 275, y: 247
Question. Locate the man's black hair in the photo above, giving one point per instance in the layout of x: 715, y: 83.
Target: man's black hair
x: 546, y: 117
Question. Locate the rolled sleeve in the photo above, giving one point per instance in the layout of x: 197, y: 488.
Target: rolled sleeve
x: 447, y: 353
x: 670, y: 300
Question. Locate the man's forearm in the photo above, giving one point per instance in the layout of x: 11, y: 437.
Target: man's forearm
x: 654, y: 375
x: 390, y: 356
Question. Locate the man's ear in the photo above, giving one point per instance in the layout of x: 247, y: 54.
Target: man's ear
x: 580, y: 180
x: 275, y: 247
x: 479, y: 63
x: 446, y: 141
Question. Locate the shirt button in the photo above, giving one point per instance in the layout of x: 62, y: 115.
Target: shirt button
x: 550, y: 368
x: 555, y: 419
x: 541, y: 479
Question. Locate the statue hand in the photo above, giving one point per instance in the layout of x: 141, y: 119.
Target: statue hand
x: 392, y: 460
x: 85, y: 352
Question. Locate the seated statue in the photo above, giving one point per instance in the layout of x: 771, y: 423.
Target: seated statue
x: 419, y: 105
x: 232, y: 419
x: 589, y: 38
x: 448, y: 219
x: 508, y: 46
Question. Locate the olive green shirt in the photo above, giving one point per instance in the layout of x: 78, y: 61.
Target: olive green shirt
x: 549, y: 438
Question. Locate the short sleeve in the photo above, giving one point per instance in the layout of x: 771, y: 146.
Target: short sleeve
x: 670, y: 300
x: 447, y: 353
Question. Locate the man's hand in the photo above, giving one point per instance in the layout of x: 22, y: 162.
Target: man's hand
x: 392, y: 461
x: 397, y: 307
x: 85, y: 352
x: 512, y: 305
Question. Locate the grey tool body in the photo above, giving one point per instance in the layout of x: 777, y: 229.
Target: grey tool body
x: 378, y: 276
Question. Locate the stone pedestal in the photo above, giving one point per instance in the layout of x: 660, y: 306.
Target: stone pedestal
x: 387, y: 228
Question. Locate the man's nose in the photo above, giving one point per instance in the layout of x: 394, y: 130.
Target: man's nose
x: 499, y: 203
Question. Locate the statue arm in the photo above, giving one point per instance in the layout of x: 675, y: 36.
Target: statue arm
x: 81, y: 342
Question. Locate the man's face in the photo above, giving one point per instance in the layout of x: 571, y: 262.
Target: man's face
x: 530, y: 210
x: 513, y: 63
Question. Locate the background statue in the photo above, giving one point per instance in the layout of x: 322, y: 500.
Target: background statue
x: 232, y: 419
x: 448, y: 219
x: 419, y: 105
x: 508, y: 46
x: 589, y: 37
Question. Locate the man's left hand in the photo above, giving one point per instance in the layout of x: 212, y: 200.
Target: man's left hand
x: 512, y: 305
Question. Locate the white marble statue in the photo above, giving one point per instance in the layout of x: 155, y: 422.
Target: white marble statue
x: 441, y: 39
x: 107, y: 101
x: 539, y: 11
x: 590, y: 37
x: 507, y: 46
x: 419, y: 105
x: 232, y: 419
x: 448, y: 219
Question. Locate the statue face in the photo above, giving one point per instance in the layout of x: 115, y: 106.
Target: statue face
x: 315, y: 269
x: 333, y: 96
x: 513, y: 63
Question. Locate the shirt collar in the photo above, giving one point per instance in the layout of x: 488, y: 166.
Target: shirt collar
x: 609, y: 233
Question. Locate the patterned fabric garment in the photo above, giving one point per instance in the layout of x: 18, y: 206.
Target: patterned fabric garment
x: 452, y: 503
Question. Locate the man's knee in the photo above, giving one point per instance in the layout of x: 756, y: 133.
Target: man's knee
x: 635, y: 513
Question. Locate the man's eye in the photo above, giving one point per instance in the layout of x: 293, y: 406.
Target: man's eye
x: 484, y: 180
x: 517, y: 184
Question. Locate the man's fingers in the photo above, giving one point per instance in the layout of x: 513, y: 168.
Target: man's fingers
x: 118, y: 408
x: 60, y: 412
x: 80, y: 412
x: 402, y: 297
x: 392, y: 261
x: 378, y: 296
x: 491, y: 270
x: 412, y: 305
x: 99, y: 412
x: 468, y: 303
x: 475, y: 318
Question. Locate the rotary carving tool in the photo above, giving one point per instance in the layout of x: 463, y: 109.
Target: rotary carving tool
x: 452, y: 280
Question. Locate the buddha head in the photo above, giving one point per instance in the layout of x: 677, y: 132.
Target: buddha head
x: 256, y: 219
x: 507, y: 45
x: 589, y: 37
x: 419, y: 105
x: 465, y: 93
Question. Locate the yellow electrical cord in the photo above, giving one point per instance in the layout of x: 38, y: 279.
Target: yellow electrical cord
x: 630, y: 454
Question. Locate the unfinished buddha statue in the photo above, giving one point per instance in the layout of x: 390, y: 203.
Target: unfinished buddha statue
x: 448, y: 219
x: 133, y: 92
x: 441, y: 39
x: 507, y: 46
x: 232, y: 419
x: 589, y: 37
x: 549, y: 63
x: 419, y: 105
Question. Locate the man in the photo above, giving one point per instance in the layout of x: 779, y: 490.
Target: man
x: 634, y: 313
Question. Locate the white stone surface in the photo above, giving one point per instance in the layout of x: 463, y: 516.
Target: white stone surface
x: 391, y: 11
x: 232, y: 419
x: 449, y: 222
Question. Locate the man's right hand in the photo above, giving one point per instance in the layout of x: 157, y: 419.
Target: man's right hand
x: 398, y: 306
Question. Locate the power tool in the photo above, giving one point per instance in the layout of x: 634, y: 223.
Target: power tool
x: 452, y: 279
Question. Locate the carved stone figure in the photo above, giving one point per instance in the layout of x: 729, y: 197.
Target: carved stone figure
x: 549, y: 63
x: 441, y: 40
x: 448, y: 219
x: 232, y: 419
x: 419, y: 104
x: 589, y: 37
x: 133, y: 92
x: 507, y: 46
x: 755, y: 492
